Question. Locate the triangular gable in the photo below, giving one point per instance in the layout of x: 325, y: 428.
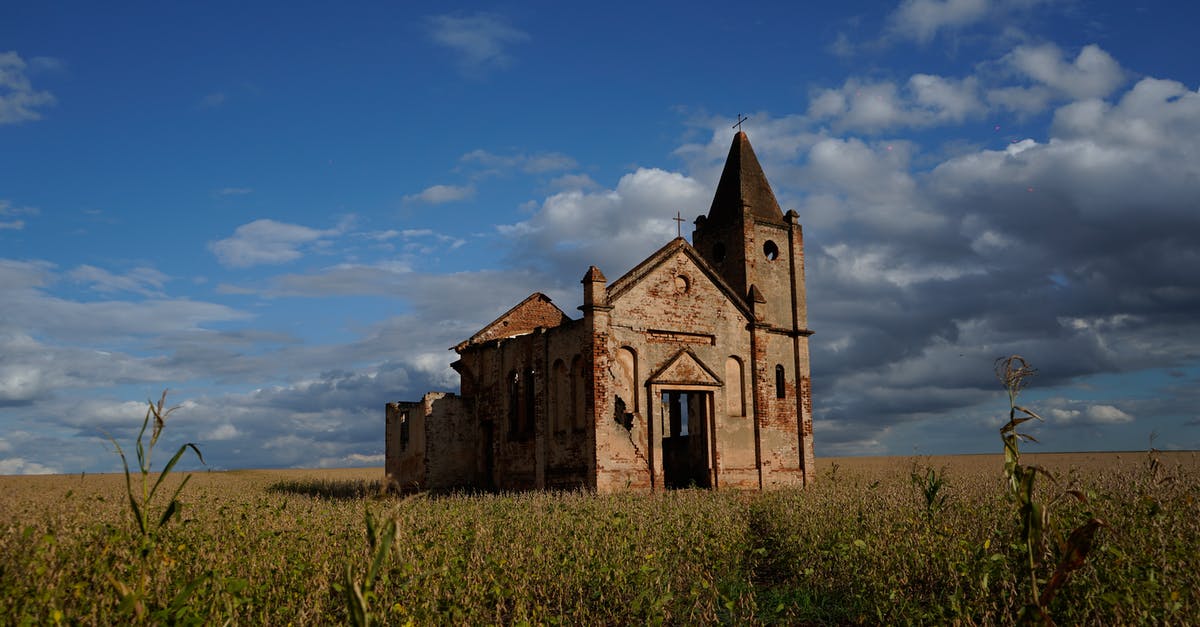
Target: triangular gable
x: 685, y: 368
x: 664, y: 254
x: 535, y: 311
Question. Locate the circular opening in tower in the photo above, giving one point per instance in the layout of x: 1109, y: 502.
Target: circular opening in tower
x: 682, y: 284
x: 771, y: 251
x: 719, y: 252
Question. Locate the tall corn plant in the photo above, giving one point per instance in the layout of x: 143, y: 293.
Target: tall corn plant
x: 357, y: 595
x: 148, y: 524
x: 1013, y: 373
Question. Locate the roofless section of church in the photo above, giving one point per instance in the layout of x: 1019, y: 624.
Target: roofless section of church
x: 691, y: 370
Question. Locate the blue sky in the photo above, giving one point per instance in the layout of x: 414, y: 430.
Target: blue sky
x: 286, y: 213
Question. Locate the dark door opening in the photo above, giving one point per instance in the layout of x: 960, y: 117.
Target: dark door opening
x: 684, y: 428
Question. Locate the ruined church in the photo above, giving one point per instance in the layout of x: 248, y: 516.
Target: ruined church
x: 691, y: 370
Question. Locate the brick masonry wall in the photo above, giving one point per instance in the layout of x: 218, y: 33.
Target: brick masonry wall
x: 713, y: 329
x: 450, y: 436
x: 535, y: 311
x: 673, y: 307
x: 543, y: 457
x: 404, y: 466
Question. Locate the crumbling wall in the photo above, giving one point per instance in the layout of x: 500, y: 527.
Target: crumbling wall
x: 451, y: 442
x: 404, y: 449
x: 527, y: 409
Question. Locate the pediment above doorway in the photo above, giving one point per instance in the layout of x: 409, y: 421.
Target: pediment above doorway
x: 685, y: 368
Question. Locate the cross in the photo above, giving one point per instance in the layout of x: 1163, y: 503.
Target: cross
x: 678, y: 224
x: 740, y: 121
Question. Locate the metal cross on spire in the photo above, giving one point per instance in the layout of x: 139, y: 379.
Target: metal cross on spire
x: 741, y: 120
x: 678, y: 224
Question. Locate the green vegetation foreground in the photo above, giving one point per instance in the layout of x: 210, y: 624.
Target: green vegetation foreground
x: 930, y: 540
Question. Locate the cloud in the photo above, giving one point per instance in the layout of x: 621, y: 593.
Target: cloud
x: 920, y: 20
x: 481, y: 40
x: 7, y: 210
x: 1073, y: 412
x: 29, y: 310
x: 1106, y: 414
x: 144, y: 281
x: 267, y: 242
x: 925, y: 100
x: 923, y: 20
x: 441, y: 194
x: 1068, y: 251
x: 1042, y: 73
x: 471, y: 298
x: 1093, y: 73
x: 234, y: 191
x: 223, y: 432
x: 611, y: 229
x: 574, y: 181
x: 19, y: 101
x: 536, y: 163
x: 22, y: 466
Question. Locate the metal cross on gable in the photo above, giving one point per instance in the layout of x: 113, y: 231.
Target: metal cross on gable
x: 741, y: 120
x: 678, y: 224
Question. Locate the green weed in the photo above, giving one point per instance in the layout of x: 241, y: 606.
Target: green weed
x: 930, y: 485
x: 134, y: 591
x: 1034, y: 514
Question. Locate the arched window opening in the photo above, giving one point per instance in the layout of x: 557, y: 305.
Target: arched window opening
x: 560, y: 397
x: 627, y: 376
x: 780, y: 384
x: 625, y: 373
x: 514, y: 403
x: 529, y: 411
x: 735, y: 404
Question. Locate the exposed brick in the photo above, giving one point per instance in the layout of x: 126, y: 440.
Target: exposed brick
x: 542, y: 401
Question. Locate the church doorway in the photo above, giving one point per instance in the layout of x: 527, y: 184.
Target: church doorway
x: 685, y: 446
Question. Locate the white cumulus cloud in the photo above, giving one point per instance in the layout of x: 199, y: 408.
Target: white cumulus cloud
x: 1092, y: 74
x: 608, y: 228
x: 924, y: 100
x: 266, y: 242
x: 22, y: 466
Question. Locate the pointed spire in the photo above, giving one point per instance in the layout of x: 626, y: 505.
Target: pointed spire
x: 743, y: 183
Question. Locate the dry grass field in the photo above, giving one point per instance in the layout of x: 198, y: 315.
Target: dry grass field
x: 875, y: 540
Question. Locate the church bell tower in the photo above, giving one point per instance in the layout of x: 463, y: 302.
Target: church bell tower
x: 749, y: 241
x: 759, y: 251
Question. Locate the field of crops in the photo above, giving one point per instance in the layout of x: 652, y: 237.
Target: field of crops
x: 875, y: 540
